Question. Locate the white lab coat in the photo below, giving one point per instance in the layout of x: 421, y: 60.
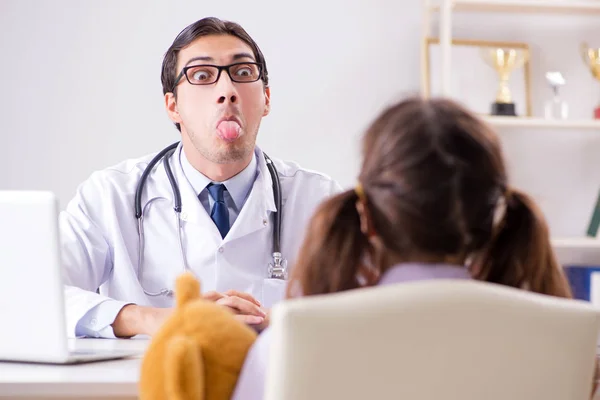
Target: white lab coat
x: 99, y: 235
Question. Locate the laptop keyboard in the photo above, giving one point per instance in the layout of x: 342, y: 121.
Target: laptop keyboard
x: 82, y: 352
x: 99, y: 352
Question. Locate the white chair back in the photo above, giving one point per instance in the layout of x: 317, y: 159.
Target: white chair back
x: 438, y: 339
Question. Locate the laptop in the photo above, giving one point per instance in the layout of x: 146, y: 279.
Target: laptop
x: 32, y: 305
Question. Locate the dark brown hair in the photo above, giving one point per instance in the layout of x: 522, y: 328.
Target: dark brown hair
x: 205, y: 27
x: 432, y: 178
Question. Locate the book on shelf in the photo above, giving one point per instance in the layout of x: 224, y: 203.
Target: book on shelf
x: 594, y: 224
x: 584, y: 282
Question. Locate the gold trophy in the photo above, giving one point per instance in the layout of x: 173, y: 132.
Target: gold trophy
x: 591, y: 58
x: 504, y: 61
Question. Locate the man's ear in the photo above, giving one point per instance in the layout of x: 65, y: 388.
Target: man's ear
x: 267, y: 101
x: 171, y: 105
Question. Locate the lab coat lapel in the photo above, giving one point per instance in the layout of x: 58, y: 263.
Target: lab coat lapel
x: 256, y: 213
x: 157, y: 185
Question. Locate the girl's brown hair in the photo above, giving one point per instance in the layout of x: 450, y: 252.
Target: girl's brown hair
x: 432, y: 181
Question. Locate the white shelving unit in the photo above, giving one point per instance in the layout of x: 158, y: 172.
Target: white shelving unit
x: 446, y: 8
x: 523, y: 122
x: 577, y: 251
x: 521, y: 6
x: 573, y: 251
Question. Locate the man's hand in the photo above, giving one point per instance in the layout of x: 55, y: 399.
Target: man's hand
x: 245, y: 307
x: 262, y: 326
x: 137, y: 320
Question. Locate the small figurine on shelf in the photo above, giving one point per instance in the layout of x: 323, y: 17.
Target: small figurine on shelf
x: 556, y: 108
x: 591, y: 58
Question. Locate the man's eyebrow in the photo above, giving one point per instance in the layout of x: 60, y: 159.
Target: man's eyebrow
x: 242, y: 55
x: 200, y: 58
x: 235, y: 57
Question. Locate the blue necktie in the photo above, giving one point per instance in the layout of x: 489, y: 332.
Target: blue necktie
x: 219, y: 213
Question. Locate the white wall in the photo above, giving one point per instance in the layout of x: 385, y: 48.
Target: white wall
x: 81, y: 80
x: 81, y: 88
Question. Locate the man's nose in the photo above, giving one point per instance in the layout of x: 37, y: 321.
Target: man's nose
x: 226, y: 91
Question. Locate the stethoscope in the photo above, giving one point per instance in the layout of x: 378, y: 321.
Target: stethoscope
x: 276, y: 270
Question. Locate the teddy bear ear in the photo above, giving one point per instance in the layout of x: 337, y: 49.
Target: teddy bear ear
x: 187, y: 288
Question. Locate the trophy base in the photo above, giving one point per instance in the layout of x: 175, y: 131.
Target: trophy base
x: 597, y: 112
x: 507, y: 109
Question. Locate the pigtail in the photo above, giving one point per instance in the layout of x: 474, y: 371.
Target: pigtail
x: 520, y: 253
x: 330, y: 258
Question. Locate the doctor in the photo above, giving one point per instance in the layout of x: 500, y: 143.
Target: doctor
x: 208, y: 206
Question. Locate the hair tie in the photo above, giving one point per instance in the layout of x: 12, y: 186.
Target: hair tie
x: 360, y: 192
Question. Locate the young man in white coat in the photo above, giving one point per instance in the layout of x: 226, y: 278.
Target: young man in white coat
x: 120, y: 269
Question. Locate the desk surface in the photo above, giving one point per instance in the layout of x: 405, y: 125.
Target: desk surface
x: 116, y: 379
x: 102, y: 379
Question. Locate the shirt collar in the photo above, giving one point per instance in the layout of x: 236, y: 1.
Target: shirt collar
x: 420, y: 271
x: 238, y: 186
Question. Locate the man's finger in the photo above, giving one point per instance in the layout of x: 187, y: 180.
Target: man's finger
x: 212, y: 296
x: 244, y: 296
x: 241, y: 305
x: 250, y: 319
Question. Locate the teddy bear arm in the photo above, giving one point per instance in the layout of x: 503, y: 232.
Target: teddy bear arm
x: 184, y: 370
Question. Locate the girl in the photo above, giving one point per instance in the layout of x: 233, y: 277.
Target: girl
x: 433, y: 202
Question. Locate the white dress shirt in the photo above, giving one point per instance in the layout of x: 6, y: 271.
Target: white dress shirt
x: 238, y: 187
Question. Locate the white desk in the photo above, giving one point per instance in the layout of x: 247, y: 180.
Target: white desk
x: 116, y: 379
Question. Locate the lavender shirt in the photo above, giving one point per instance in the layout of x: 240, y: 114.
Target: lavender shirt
x: 250, y: 385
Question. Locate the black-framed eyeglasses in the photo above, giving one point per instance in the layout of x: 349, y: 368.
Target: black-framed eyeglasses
x: 206, y: 74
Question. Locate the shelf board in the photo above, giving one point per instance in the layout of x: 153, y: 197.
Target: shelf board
x: 577, y: 242
x: 582, y: 251
x: 525, y: 122
x: 585, y: 7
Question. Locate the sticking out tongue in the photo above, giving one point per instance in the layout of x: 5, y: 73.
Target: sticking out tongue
x: 229, y: 130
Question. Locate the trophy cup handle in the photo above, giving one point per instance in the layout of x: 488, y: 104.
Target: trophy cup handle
x: 584, y: 52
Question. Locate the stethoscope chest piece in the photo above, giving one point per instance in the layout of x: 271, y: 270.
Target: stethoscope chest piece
x: 278, y: 268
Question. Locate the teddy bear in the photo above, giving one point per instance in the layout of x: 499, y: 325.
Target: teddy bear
x: 197, y: 353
